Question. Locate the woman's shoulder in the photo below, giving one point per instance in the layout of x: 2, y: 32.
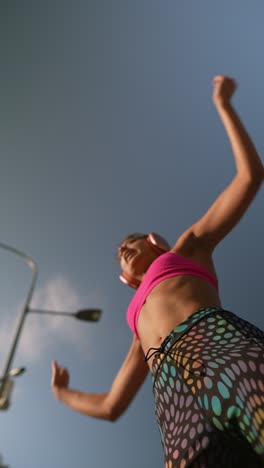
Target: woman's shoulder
x: 193, y: 248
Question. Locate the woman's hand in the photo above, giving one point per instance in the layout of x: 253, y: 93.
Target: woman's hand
x: 224, y: 89
x: 59, y: 378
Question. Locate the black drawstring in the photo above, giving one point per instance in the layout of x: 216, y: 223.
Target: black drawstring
x: 161, y: 349
x: 156, y: 350
x: 175, y: 355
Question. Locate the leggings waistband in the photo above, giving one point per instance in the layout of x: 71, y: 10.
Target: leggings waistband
x: 181, y: 329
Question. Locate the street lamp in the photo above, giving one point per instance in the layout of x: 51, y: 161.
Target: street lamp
x: 14, y: 373
x: 88, y: 315
x: 6, y: 384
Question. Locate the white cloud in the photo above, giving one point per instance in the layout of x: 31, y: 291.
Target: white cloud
x: 58, y: 294
x: 42, y: 332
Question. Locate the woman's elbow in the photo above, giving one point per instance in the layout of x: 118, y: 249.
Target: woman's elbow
x: 114, y: 414
x: 113, y: 417
x: 115, y: 411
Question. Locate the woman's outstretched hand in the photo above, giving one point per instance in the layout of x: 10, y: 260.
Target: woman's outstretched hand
x: 224, y: 89
x: 59, y: 378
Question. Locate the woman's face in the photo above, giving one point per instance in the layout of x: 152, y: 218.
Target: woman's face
x: 135, y: 256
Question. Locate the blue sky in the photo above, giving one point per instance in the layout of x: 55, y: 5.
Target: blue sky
x: 108, y: 127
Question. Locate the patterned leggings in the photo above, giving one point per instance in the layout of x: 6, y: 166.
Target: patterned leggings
x: 208, y: 384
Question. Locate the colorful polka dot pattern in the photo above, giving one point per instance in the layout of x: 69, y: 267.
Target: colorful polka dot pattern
x: 208, y: 384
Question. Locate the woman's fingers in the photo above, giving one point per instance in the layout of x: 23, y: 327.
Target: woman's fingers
x: 59, y: 375
x: 225, y: 80
x: 224, y: 88
x: 54, y: 367
x: 217, y: 79
x: 56, y: 372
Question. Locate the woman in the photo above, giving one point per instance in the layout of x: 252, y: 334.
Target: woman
x: 207, y: 363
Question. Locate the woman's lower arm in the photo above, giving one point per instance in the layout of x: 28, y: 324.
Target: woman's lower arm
x: 90, y: 404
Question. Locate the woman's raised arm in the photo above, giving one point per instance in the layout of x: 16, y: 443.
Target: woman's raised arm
x: 232, y: 203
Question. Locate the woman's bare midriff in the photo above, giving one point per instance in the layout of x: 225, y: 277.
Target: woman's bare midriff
x: 172, y: 301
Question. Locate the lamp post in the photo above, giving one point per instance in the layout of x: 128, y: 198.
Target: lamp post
x: 33, y: 266
x: 91, y: 315
x: 2, y: 463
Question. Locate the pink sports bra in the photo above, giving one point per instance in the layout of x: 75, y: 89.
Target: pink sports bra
x: 165, y: 266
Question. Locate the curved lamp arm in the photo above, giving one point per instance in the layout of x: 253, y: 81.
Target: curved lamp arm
x: 33, y: 266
